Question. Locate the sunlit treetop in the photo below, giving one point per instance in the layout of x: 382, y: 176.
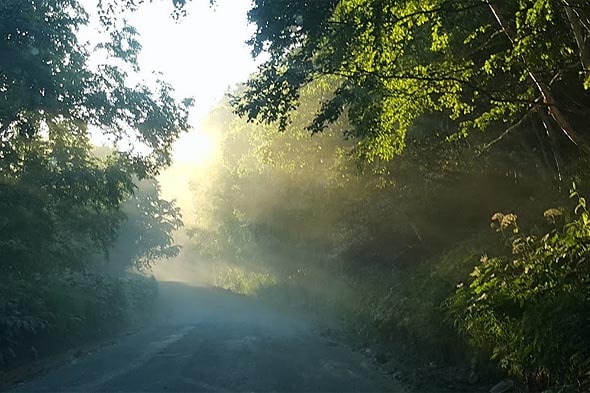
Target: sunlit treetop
x: 479, y: 63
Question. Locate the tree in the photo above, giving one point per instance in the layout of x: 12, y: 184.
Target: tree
x: 61, y: 203
x: 146, y: 234
x: 479, y: 63
x: 45, y: 77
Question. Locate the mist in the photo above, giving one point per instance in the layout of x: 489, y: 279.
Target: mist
x: 390, y: 196
x: 294, y: 220
x: 297, y: 223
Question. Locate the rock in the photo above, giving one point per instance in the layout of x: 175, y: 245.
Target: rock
x: 503, y: 386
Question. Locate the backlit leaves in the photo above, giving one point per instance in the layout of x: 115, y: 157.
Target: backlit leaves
x: 451, y: 58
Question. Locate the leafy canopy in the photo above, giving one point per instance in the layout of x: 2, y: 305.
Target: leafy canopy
x: 478, y: 63
x: 45, y: 76
x: 60, y: 203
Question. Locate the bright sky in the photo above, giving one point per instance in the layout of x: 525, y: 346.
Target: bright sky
x: 201, y: 56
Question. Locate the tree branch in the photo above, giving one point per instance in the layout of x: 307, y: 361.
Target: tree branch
x: 578, y: 31
x: 507, y: 131
x: 545, y: 91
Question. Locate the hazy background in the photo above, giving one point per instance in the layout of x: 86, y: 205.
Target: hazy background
x: 202, y: 55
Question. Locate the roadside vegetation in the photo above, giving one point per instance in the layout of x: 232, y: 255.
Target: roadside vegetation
x: 79, y: 224
x: 418, y: 170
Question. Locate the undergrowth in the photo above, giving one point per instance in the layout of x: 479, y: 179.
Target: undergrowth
x: 525, y: 311
x: 45, y: 314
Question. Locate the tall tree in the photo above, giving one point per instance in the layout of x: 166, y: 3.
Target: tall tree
x: 45, y: 77
x: 61, y: 203
x: 482, y: 64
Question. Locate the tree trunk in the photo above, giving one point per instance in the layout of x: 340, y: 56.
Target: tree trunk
x: 548, y: 98
x: 578, y: 31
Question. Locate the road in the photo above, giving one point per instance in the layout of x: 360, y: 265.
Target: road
x: 209, y: 340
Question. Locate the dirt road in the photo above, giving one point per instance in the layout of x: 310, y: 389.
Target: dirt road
x: 209, y: 340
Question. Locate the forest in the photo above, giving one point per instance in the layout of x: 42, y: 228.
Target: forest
x: 415, y: 170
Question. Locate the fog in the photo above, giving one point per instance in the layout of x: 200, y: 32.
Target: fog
x: 389, y: 193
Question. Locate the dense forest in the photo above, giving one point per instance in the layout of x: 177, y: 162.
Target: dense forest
x: 415, y: 170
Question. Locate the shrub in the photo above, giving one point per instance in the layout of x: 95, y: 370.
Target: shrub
x: 50, y: 313
x: 530, y: 308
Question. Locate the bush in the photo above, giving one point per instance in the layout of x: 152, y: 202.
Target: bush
x: 242, y: 281
x: 405, y: 306
x: 50, y: 313
x: 530, y: 308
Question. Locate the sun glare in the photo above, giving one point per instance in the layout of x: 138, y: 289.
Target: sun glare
x: 194, y: 148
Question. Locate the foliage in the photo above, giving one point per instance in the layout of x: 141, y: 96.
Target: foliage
x: 48, y: 312
x: 403, y: 226
x: 46, y: 78
x: 382, y: 245
x: 243, y: 282
x: 63, y: 203
x: 59, y: 203
x: 477, y: 64
x: 61, y: 207
x: 412, y: 310
x: 529, y: 308
x: 287, y: 197
x: 146, y: 234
